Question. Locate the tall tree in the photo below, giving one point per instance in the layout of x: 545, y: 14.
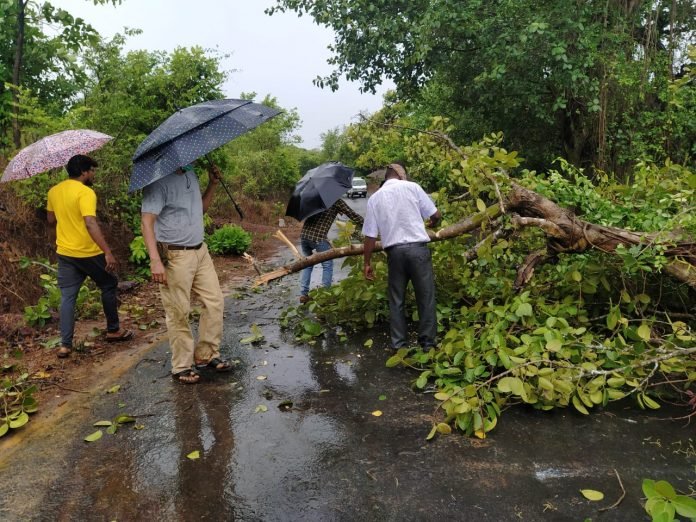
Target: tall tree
x: 558, y: 77
x: 35, y: 55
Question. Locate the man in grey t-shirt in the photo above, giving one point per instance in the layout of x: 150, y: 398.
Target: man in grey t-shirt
x: 172, y: 218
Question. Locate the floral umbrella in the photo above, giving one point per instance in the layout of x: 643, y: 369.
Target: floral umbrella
x: 52, y: 152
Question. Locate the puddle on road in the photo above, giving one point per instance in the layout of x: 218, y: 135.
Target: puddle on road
x: 328, y: 458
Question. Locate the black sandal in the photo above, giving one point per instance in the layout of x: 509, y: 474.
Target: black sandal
x: 216, y: 364
x: 187, y: 377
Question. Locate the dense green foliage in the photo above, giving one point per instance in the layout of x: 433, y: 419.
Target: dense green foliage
x: 588, y: 81
x: 229, y: 239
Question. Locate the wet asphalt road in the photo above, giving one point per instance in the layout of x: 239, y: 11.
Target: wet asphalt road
x: 317, y: 452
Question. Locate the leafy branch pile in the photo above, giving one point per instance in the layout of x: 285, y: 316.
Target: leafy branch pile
x: 584, y: 330
x: 16, y: 402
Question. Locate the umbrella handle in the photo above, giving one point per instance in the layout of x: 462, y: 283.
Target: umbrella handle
x: 239, y: 210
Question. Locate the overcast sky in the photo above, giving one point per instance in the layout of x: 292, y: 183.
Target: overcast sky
x: 278, y: 55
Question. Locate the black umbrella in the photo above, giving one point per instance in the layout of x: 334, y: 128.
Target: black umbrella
x: 318, y: 189
x: 191, y: 133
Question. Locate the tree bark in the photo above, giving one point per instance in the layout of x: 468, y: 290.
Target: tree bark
x: 17, y: 70
x: 569, y: 234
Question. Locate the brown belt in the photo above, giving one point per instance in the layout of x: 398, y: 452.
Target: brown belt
x: 182, y: 247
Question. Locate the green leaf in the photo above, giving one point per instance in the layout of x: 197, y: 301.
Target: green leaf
x: 591, y: 494
x: 394, y: 360
x: 444, y: 428
x: 525, y: 309
x: 20, y: 421
x: 94, y: 436
x: 368, y: 343
x: 480, y: 205
x: 114, y: 389
x: 112, y: 429
x: 650, y: 403
x: 665, y: 489
x: 124, y: 419
x: 194, y: 455
x: 685, y: 506
x: 579, y: 405
x: 554, y: 345
x: 261, y: 408
x: 382, y: 398
x: 432, y: 433
x: 4, y: 428
x: 102, y: 423
x: 644, y: 332
x: 545, y: 384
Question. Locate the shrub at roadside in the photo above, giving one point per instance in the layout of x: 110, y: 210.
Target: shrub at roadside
x: 229, y: 239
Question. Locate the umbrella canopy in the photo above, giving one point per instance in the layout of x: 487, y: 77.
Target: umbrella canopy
x: 318, y: 189
x: 191, y: 133
x: 52, y: 152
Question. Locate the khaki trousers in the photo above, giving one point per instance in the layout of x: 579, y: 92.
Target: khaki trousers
x: 192, y: 271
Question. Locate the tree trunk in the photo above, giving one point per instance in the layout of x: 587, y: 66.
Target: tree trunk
x: 17, y: 71
x: 567, y: 233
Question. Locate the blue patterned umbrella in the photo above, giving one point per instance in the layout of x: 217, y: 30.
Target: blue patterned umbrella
x: 191, y: 133
x: 318, y: 189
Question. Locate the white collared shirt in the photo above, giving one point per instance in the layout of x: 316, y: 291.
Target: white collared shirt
x: 395, y: 213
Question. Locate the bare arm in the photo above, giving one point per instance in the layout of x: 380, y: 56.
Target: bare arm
x: 95, y: 233
x: 369, y: 246
x: 51, y: 218
x: 434, y: 219
x: 159, y: 275
x: 214, y: 176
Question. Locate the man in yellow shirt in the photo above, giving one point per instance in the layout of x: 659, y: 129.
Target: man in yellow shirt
x: 82, y: 250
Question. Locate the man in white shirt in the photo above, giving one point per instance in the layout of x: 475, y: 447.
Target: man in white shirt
x: 395, y: 213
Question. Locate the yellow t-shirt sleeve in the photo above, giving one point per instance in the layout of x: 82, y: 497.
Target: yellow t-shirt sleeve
x: 88, y: 203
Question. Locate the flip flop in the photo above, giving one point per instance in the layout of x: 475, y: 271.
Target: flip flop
x: 216, y: 364
x: 126, y: 335
x: 64, y: 352
x: 186, y: 377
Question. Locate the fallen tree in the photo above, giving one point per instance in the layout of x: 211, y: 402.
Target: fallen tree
x: 608, y: 314
x: 566, y: 233
x: 462, y: 227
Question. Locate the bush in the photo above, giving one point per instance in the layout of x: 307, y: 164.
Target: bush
x: 229, y: 239
x: 139, y: 257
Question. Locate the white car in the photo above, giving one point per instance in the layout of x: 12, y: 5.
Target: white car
x: 359, y: 189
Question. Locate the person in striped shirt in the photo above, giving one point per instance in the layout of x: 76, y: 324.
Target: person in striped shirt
x: 314, y: 238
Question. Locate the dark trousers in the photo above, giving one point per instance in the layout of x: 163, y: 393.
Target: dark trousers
x: 72, y: 272
x: 411, y: 262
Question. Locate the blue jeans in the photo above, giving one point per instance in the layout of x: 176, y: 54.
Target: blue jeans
x: 72, y: 271
x: 308, y: 246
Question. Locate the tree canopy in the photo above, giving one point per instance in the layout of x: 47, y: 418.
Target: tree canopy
x: 584, y: 80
